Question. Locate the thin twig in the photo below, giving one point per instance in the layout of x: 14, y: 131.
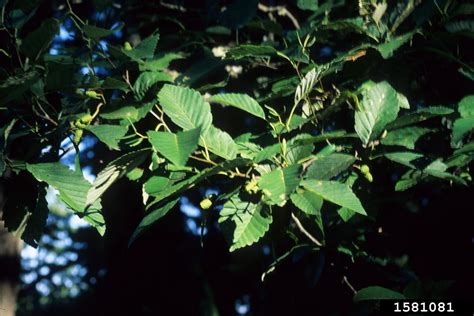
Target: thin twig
x: 281, y: 10
x: 345, y: 280
x: 203, y: 160
x: 304, y: 231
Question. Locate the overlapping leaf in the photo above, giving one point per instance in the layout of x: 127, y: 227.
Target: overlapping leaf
x: 220, y: 143
x: 326, y: 167
x: 380, y: 106
x: 109, y: 134
x: 175, y: 147
x: 335, y: 192
x: 251, y: 221
x: 406, y: 137
x: 240, y: 101
x: 185, y: 107
x: 112, y: 172
x: 73, y: 189
x: 278, y: 184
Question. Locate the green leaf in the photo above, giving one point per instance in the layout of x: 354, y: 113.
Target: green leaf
x: 114, y: 171
x: 185, y: 107
x: 36, y: 42
x: 204, y: 174
x: 308, y: 202
x: 307, y: 83
x: 151, y: 218
x: 335, y: 192
x: 73, y: 189
x: 123, y: 113
x: 109, y: 134
x: 278, y: 184
x: 220, y: 143
x: 240, y: 101
x: 405, y: 158
x: 419, y: 116
x: 97, y: 33
x: 296, y: 152
x: 406, y: 137
x: 326, y: 167
x: 146, y: 80
x: 71, y: 185
x: 267, y: 153
x: 115, y: 84
x: 380, y: 106
x: 311, y: 5
x: 156, y: 184
x: 175, y: 147
x: 466, y: 106
x: 326, y: 136
x: 159, y: 63
x: 251, y: 221
x: 461, y: 128
x: 345, y: 214
x: 242, y: 51
x: 146, y: 49
x: 387, y: 49
x: 377, y: 293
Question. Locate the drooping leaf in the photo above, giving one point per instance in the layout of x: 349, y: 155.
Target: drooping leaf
x: 185, y: 107
x: 379, y: 106
x: 308, y: 202
x: 114, y: 171
x: 406, y: 137
x: 278, y: 184
x: 71, y: 185
x: 249, y: 221
x: 326, y: 167
x: 108, y: 134
x: 72, y: 189
x: 220, y: 143
x: 151, y: 218
x: 175, y: 147
x: 335, y: 192
x: 377, y: 293
x: 40, y: 39
x: 146, y: 80
x: 240, y: 101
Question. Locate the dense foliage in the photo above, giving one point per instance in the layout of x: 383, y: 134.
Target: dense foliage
x: 324, y: 128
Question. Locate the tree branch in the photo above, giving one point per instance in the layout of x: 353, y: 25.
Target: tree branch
x: 304, y: 231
